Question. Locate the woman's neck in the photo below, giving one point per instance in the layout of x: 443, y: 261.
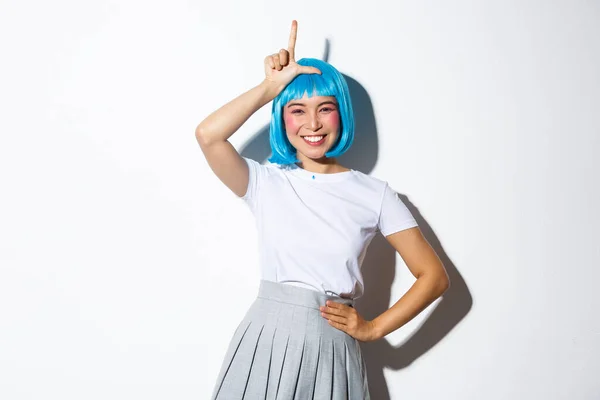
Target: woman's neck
x: 321, y: 166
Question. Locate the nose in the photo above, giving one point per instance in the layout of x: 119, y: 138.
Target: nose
x: 314, y: 124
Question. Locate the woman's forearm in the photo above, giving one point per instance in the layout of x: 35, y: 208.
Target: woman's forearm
x: 225, y: 121
x: 422, y: 293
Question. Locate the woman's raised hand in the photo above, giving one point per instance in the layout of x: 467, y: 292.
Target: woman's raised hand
x: 281, y: 68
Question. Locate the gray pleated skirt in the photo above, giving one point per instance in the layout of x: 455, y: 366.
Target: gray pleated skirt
x: 283, y: 349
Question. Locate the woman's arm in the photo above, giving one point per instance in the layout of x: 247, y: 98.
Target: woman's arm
x: 432, y: 281
x: 213, y: 133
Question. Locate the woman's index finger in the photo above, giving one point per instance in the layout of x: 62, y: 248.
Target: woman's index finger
x: 292, y: 42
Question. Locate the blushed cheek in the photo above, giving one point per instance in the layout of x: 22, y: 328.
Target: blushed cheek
x: 332, y: 120
x: 291, y: 126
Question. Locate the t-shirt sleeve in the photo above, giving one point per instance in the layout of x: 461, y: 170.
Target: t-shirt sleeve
x: 394, y: 216
x: 256, y: 176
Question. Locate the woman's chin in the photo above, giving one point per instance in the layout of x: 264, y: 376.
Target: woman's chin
x: 314, y: 154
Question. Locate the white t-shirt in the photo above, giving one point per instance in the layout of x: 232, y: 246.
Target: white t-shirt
x: 314, y: 229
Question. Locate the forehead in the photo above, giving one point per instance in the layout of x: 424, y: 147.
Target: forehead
x: 311, y: 101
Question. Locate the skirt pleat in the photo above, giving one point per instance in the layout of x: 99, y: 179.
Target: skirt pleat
x: 257, y: 379
x: 308, y: 366
x: 340, y: 379
x: 279, y: 352
x: 283, y: 349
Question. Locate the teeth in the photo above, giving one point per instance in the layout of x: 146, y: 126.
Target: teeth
x: 313, y: 138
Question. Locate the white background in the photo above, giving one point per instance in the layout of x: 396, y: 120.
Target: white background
x: 125, y: 265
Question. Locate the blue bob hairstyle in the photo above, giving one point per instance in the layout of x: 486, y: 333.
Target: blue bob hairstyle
x: 329, y: 83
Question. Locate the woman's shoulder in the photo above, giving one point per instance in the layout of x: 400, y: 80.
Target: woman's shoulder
x: 369, y: 180
x: 265, y: 165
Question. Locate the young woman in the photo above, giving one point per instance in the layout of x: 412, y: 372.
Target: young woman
x: 315, y: 218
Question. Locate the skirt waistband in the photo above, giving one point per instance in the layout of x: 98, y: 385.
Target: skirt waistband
x: 300, y: 296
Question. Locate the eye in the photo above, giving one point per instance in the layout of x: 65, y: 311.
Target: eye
x: 297, y: 111
x: 327, y: 109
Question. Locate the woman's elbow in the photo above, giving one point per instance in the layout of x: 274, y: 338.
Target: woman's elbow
x: 202, y: 136
x: 443, y: 283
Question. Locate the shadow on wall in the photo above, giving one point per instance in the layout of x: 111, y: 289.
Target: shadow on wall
x: 379, y: 265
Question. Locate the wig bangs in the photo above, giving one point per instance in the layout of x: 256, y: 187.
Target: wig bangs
x: 309, y: 85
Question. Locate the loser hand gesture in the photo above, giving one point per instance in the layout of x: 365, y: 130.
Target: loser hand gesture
x: 281, y: 68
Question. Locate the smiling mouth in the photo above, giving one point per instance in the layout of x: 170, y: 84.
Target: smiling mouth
x: 314, y: 140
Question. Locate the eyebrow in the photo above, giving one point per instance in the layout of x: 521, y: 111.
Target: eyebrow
x: 319, y: 105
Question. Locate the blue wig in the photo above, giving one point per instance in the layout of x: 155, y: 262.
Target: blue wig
x: 329, y: 83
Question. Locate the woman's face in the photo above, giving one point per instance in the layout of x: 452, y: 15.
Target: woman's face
x: 312, y: 124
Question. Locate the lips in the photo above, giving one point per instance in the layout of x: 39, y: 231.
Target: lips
x: 314, y: 140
